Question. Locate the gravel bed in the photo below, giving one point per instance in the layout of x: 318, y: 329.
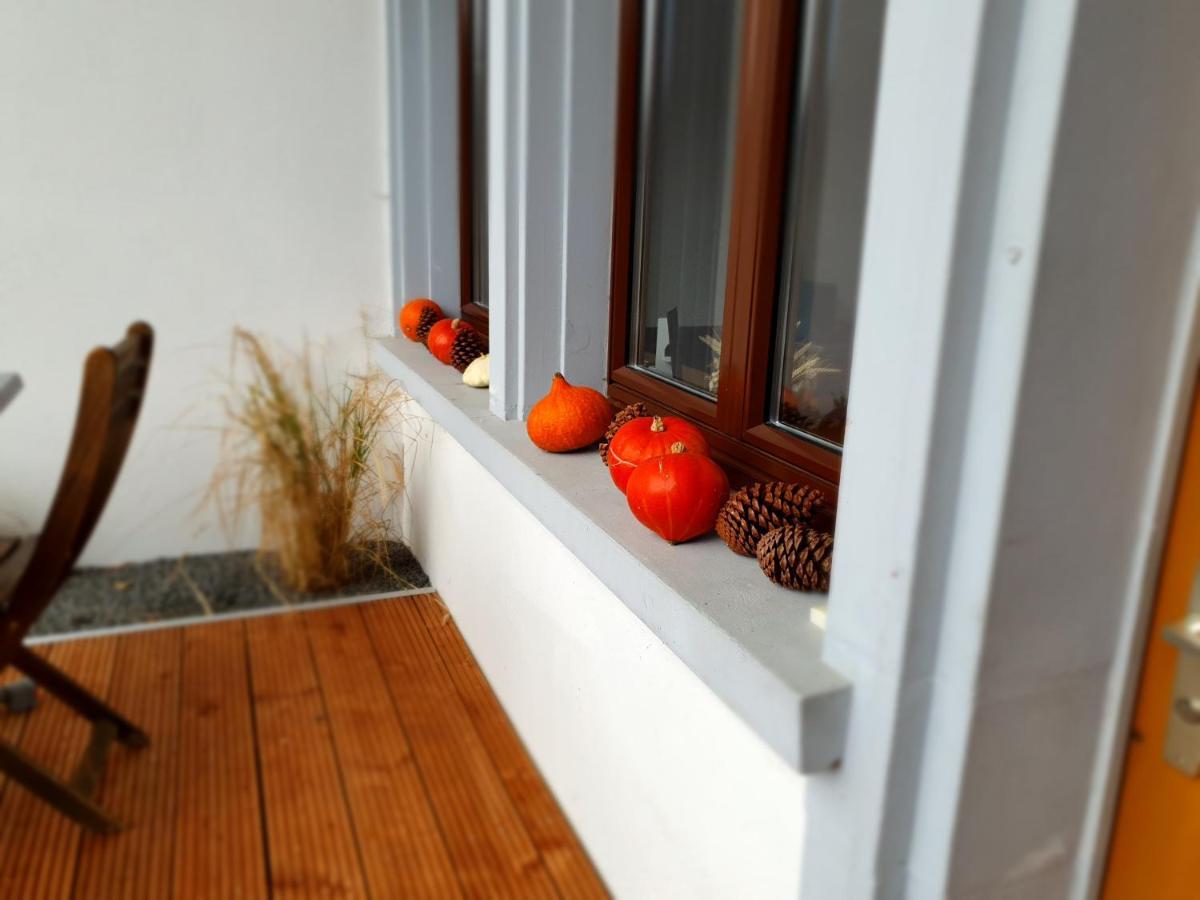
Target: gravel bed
x: 199, y: 585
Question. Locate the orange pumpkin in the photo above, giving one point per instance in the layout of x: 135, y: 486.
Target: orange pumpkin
x: 568, y: 418
x: 678, y: 496
x: 410, y: 316
x: 647, y: 437
x: 441, y: 337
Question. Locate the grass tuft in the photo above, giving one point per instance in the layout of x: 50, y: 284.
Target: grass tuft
x: 314, y: 461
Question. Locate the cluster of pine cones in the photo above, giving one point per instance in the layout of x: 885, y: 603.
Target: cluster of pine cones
x: 784, y: 526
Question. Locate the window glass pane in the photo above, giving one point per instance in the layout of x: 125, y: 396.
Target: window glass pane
x: 685, y: 155
x: 479, y: 184
x: 827, y: 182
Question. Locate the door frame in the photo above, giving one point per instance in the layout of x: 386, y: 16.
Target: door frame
x: 951, y: 440
x: 1133, y: 641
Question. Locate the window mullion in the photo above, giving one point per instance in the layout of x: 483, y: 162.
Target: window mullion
x: 764, y: 98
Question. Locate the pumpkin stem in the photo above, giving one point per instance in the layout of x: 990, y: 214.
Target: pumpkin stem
x: 679, y: 447
x: 658, y: 425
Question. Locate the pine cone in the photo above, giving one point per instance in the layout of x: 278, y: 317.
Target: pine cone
x: 628, y: 414
x: 752, y: 511
x: 429, y: 316
x: 468, y: 346
x: 797, y: 557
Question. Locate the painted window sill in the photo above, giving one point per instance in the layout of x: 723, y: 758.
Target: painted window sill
x: 757, y: 646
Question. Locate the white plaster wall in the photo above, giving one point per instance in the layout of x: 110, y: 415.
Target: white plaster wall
x: 673, y: 796
x: 199, y: 165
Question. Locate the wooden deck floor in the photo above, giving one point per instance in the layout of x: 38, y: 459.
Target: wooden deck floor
x: 353, y: 751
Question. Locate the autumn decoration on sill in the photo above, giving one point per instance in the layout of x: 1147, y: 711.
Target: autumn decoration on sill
x: 442, y: 336
x: 417, y: 317
x: 453, y: 342
x: 674, y: 487
x: 628, y: 414
x: 785, y: 526
x: 758, y: 508
x: 797, y: 557
x: 648, y: 438
x: 568, y: 418
x: 468, y: 346
x: 479, y: 373
x: 678, y: 495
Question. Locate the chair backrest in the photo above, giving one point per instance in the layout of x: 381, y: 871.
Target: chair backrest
x: 114, y: 379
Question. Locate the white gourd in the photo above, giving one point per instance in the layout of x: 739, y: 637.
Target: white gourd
x: 478, y: 373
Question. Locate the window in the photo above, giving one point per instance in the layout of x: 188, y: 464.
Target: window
x: 472, y: 161
x: 743, y: 143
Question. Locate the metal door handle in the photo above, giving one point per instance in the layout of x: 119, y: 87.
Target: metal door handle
x: 1185, y: 634
x: 1182, y: 746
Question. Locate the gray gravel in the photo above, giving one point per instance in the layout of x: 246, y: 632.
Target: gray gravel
x: 198, y: 585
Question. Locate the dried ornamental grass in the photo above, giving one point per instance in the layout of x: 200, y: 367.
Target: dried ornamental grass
x: 313, y: 462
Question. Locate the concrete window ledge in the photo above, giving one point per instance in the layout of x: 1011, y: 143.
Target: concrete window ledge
x: 751, y: 642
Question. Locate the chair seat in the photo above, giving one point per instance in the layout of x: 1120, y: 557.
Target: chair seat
x: 15, y: 553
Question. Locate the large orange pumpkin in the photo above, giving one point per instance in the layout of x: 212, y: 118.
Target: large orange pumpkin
x: 677, y: 496
x: 410, y: 316
x: 441, y: 337
x: 568, y: 417
x: 647, y: 437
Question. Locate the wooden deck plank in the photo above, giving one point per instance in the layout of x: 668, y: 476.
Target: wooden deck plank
x: 139, y: 785
x: 348, y: 752
x: 488, y: 842
x: 311, y: 841
x: 403, y: 852
x: 218, y: 846
x: 568, y: 864
x: 38, y: 845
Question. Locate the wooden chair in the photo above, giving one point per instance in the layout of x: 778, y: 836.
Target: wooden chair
x: 113, y: 381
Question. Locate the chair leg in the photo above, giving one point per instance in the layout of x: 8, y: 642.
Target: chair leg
x: 91, y: 764
x: 77, y: 697
x: 66, y: 799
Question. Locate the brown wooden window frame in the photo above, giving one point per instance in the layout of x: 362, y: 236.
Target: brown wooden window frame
x: 737, y: 424
x: 471, y: 311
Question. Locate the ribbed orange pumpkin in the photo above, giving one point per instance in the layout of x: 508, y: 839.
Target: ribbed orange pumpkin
x: 677, y: 496
x: 410, y: 316
x: 646, y: 438
x: 568, y: 417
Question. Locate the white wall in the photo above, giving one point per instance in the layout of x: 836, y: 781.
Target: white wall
x: 671, y: 793
x: 198, y: 165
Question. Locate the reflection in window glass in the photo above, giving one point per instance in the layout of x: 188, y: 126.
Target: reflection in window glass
x: 685, y: 157
x: 828, y: 162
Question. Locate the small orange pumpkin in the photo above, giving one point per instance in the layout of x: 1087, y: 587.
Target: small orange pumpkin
x: 410, y: 316
x: 678, y: 496
x: 568, y: 417
x: 440, y: 340
x: 647, y: 437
